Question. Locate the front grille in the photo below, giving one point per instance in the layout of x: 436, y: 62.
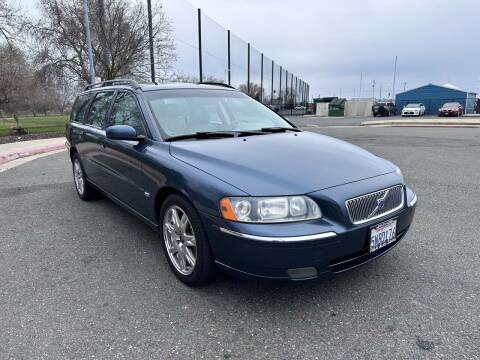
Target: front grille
x: 375, y: 205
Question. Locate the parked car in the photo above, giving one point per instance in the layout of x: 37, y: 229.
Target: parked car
x: 300, y: 107
x: 230, y: 184
x: 274, y: 107
x: 384, y: 109
x: 451, y: 109
x: 413, y: 110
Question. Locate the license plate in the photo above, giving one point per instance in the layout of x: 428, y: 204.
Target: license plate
x: 383, y: 234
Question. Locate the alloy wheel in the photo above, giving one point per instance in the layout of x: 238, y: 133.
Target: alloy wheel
x: 78, y: 177
x: 180, y: 240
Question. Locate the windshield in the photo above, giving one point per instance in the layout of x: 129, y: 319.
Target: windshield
x: 188, y: 111
x: 449, y: 105
x: 413, y: 106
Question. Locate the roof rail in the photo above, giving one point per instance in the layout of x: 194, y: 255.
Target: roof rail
x: 216, y: 84
x: 127, y: 82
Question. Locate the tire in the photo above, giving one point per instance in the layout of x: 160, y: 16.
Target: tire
x: 84, y: 190
x: 177, y: 237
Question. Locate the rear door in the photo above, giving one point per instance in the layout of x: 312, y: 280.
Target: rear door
x: 121, y: 159
x: 76, y: 127
x: 94, y: 138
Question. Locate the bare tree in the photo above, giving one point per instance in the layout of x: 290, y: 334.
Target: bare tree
x: 14, y: 78
x: 119, y: 37
x: 255, y: 90
x: 10, y: 21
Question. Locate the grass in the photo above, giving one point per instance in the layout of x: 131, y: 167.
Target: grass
x: 36, y: 125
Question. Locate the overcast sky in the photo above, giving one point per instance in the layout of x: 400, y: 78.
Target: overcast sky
x: 329, y: 43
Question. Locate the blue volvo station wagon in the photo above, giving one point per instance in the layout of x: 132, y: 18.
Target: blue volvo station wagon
x: 229, y: 184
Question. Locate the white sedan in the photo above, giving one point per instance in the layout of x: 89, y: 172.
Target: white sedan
x: 413, y: 110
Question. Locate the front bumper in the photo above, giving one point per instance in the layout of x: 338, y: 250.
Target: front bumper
x: 298, y: 251
x: 410, y: 113
x: 448, y: 113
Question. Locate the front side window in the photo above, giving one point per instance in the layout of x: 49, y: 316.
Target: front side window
x: 79, y: 108
x: 125, y: 111
x: 97, y: 114
x: 187, y: 111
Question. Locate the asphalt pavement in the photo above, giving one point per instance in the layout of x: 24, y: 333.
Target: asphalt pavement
x: 87, y: 280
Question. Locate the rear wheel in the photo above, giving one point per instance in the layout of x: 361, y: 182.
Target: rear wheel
x: 84, y: 190
x: 185, y: 243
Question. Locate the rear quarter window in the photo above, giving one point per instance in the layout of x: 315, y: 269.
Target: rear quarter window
x: 79, y: 108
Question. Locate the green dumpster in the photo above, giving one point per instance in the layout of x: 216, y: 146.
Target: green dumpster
x: 337, y: 107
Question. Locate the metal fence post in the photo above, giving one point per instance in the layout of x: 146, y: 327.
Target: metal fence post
x: 261, y: 78
x: 229, y: 59
x: 248, y: 69
x: 291, y: 94
x: 200, y: 64
x: 285, y: 98
x: 296, y: 92
x: 271, y: 93
x: 280, y: 88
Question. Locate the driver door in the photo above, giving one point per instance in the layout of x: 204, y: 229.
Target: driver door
x: 122, y: 158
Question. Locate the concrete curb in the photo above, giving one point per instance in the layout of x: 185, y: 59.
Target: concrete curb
x: 14, y: 155
x: 424, y: 123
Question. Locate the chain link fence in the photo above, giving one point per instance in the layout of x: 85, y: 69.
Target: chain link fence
x: 204, y: 50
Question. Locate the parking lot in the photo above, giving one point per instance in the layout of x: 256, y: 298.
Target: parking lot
x: 87, y: 280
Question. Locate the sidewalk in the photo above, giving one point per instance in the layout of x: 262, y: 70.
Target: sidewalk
x: 469, y: 121
x: 25, y: 149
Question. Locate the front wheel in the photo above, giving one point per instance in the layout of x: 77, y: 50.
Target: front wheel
x: 185, y: 243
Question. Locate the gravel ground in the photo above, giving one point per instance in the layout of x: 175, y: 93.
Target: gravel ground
x: 87, y: 280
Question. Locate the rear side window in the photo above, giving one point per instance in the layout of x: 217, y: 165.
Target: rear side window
x: 125, y: 111
x: 97, y: 115
x: 79, y: 108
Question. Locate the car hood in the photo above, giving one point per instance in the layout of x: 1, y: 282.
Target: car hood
x: 412, y: 108
x: 281, y: 164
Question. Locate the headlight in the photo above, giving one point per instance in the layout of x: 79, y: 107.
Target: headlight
x: 269, y: 209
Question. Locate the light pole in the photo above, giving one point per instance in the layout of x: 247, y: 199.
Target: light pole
x: 150, y: 39
x: 360, y: 88
x: 394, y: 78
x: 91, y: 68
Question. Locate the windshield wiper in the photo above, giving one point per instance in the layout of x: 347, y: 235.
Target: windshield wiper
x: 214, y: 135
x: 279, y: 129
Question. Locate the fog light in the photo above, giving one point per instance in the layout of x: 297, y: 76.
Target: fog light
x: 302, y: 273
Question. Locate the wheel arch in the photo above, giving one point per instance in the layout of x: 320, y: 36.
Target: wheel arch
x: 162, y: 195
x: 72, y: 152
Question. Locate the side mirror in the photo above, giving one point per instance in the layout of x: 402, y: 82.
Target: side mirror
x: 123, y: 132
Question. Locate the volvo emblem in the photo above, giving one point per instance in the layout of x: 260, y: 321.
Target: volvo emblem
x: 380, y: 204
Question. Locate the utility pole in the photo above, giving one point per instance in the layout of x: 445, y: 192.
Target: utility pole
x: 373, y: 90
x: 394, y: 78
x: 380, y: 93
x: 91, y: 68
x: 404, y: 86
x: 150, y: 38
x: 360, y: 89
